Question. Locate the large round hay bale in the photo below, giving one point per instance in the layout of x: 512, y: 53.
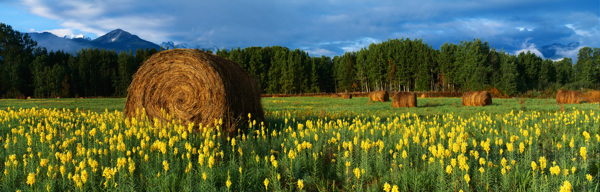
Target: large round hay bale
x: 404, y: 99
x: 476, y: 98
x: 196, y: 87
x: 568, y: 97
x: 346, y: 96
x: 381, y: 96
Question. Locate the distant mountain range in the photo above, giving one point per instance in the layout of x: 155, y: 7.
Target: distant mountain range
x: 118, y: 40
x: 557, y: 50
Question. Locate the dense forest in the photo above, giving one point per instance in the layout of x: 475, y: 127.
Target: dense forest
x: 394, y: 65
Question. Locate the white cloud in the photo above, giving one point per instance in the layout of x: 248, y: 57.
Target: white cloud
x: 319, y: 51
x: 63, y: 32
x: 531, y: 47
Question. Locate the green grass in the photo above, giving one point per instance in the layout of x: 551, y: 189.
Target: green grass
x: 94, y: 105
x: 326, y: 105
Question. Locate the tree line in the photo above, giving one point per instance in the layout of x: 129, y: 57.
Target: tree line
x: 393, y: 65
x: 412, y: 65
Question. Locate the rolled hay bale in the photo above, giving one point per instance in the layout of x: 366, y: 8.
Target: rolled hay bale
x: 423, y: 95
x: 335, y: 95
x: 476, y: 98
x: 568, y: 97
x: 196, y: 87
x: 592, y: 96
x: 346, y: 96
x: 381, y: 96
x: 21, y: 97
x: 404, y: 99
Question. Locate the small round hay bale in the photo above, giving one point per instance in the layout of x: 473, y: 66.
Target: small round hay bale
x: 592, y: 96
x: 21, y: 97
x: 346, y: 96
x: 423, y: 95
x: 568, y: 97
x: 381, y: 96
x: 196, y: 87
x: 476, y: 98
x: 404, y: 99
x: 335, y: 95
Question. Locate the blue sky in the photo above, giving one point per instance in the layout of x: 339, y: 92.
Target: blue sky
x: 321, y: 27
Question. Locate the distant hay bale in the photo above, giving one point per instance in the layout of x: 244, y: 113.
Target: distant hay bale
x: 568, y: 97
x: 346, y: 96
x: 423, y: 95
x: 476, y: 98
x: 196, y: 87
x: 592, y: 96
x: 381, y: 96
x: 335, y: 95
x: 21, y: 96
x: 404, y: 99
x: 28, y: 97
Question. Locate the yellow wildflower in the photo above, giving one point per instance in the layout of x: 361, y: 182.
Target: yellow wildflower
x: 555, y: 170
x: 300, y: 184
x: 228, y: 182
x: 357, y: 173
x: 386, y: 187
x: 31, y: 179
x: 566, y: 187
x: 266, y: 182
x: 165, y: 165
x: 583, y: 153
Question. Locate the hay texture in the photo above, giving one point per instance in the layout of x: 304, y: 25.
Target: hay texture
x: 196, y: 87
x: 592, y: 96
x: 404, y: 99
x: 568, y: 97
x: 381, y: 96
x: 346, y: 96
x: 477, y: 98
x: 335, y: 95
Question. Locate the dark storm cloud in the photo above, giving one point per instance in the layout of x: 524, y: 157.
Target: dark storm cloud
x: 334, y: 26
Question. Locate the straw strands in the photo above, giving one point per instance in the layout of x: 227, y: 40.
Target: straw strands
x: 381, y: 96
x: 476, y: 98
x: 568, y: 97
x: 404, y: 99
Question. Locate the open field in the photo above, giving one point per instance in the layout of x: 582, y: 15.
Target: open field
x: 310, y: 143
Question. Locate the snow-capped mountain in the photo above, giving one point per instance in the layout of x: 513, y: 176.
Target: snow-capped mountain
x: 118, y: 40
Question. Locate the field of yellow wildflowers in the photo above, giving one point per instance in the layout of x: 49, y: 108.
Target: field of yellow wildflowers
x: 306, y: 149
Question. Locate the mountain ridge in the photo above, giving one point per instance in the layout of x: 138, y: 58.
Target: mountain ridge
x: 118, y: 40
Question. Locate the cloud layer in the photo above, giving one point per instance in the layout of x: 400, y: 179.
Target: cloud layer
x: 333, y: 26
